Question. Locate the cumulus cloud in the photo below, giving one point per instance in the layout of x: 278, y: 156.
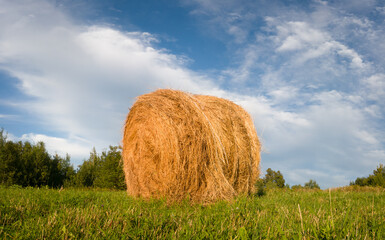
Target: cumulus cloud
x: 328, y: 138
x: 83, y: 78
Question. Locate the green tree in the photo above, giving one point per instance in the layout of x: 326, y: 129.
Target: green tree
x: 67, y: 170
x: 375, y: 179
x: 104, y: 170
x: 110, y: 173
x: 86, y: 173
x: 312, y: 184
x: 36, y: 162
x: 274, y: 179
x: 379, y: 176
x: 27, y: 164
x: 62, y: 172
x: 10, y: 164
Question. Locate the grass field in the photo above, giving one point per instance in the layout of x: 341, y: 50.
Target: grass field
x: 30, y: 213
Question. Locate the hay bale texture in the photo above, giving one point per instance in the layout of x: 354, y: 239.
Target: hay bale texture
x: 178, y: 145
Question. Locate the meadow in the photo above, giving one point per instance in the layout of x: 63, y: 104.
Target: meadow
x: 42, y: 213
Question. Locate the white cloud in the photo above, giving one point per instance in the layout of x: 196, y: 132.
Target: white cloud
x: 356, y: 60
x: 357, y: 5
x: 243, y: 72
x: 230, y: 18
x: 375, y: 86
x: 381, y: 10
x: 6, y: 116
x: 366, y: 137
x: 311, y: 43
x: 312, y: 75
x: 333, y: 142
x: 298, y: 35
x: 77, y: 148
x: 284, y: 94
x: 84, y: 79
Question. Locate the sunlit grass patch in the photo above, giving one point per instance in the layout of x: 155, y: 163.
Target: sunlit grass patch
x: 101, y: 214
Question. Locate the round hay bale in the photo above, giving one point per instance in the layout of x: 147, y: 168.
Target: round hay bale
x: 178, y: 145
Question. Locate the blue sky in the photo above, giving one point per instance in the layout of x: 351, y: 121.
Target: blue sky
x: 311, y: 74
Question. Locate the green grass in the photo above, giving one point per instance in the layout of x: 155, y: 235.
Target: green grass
x: 30, y: 213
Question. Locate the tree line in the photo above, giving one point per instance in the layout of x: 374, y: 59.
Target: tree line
x: 274, y: 179
x: 377, y: 179
x: 27, y: 164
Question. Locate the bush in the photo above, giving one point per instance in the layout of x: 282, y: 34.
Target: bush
x: 260, y: 188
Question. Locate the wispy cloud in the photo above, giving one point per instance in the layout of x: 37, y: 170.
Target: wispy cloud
x: 7, y: 116
x: 375, y: 86
x: 316, y: 76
